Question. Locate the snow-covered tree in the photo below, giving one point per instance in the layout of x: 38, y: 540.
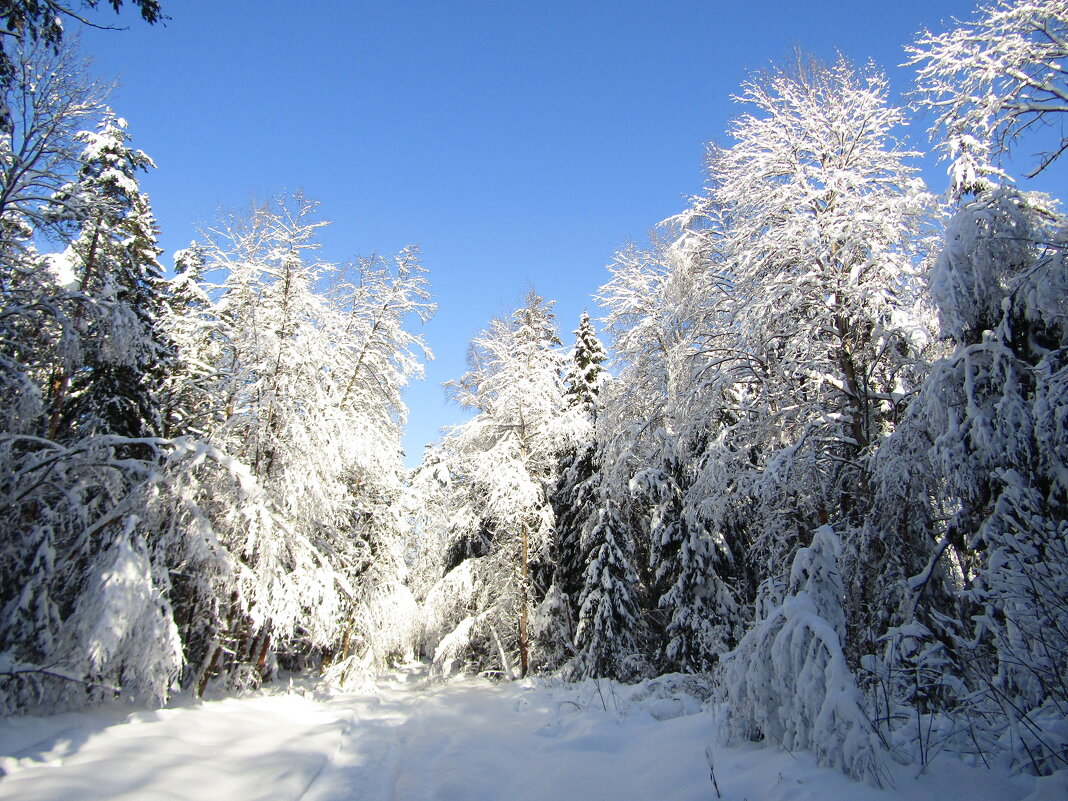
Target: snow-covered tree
x: 766, y: 345
x: 84, y: 614
x: 606, y: 641
x: 788, y: 681
x: 586, y: 373
x: 991, y: 79
x: 504, y: 461
x: 35, y: 21
x: 970, y: 496
x: 118, y: 280
x: 821, y: 219
x: 655, y: 429
x: 85, y: 610
x: 132, y: 563
x: 574, y: 494
x: 50, y: 100
x: 641, y: 426
x: 49, y: 104
x: 988, y: 432
x: 189, y: 322
x: 306, y: 383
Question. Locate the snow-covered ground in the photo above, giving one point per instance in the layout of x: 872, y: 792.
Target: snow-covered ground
x: 466, y: 740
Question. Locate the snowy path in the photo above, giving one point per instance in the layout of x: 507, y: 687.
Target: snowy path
x: 469, y: 740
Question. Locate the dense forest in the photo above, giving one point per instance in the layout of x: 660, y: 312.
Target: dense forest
x: 823, y: 465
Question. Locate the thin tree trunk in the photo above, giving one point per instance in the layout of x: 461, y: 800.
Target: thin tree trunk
x: 210, y: 665
x: 261, y: 661
x: 215, y: 652
x: 506, y: 663
x: 524, y: 572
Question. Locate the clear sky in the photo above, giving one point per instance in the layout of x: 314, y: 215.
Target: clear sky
x: 520, y: 143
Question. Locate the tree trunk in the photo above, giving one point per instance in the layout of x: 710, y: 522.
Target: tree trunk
x: 261, y: 661
x: 524, y: 572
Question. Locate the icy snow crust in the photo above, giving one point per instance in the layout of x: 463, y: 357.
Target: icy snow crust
x: 465, y: 740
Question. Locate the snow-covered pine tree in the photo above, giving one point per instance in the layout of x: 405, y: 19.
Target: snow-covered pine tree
x: 574, y: 495
x: 586, y: 373
x: 118, y: 288
x: 606, y: 641
x: 574, y: 500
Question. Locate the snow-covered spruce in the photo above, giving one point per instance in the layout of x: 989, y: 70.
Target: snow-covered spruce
x: 606, y: 642
x: 788, y: 682
x: 989, y: 430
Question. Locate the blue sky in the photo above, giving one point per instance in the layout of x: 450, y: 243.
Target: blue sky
x: 519, y: 143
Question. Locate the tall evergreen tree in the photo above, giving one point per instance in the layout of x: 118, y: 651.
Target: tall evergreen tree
x: 118, y: 280
x: 574, y: 496
x: 606, y: 642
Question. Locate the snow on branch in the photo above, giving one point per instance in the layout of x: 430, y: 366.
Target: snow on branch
x: 992, y: 79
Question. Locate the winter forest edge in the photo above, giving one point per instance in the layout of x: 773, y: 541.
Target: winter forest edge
x: 824, y: 468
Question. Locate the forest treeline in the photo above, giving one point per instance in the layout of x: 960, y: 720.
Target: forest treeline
x: 824, y: 468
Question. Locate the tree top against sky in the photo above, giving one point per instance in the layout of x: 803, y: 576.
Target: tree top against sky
x: 519, y: 145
